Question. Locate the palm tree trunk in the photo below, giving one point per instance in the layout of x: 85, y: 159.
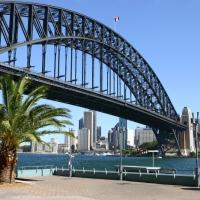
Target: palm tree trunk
x: 7, y: 166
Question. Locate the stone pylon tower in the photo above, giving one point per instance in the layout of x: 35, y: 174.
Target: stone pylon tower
x: 187, y: 143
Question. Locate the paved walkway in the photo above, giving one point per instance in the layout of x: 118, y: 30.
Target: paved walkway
x: 62, y: 188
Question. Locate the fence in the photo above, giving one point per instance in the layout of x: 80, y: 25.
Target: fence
x: 140, y: 176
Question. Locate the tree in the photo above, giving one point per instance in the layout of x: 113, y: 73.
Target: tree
x: 149, y: 145
x: 23, y: 119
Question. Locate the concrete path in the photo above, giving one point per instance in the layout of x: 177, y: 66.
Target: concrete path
x: 61, y: 188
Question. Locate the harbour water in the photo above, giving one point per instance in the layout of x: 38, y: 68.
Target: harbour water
x: 182, y: 165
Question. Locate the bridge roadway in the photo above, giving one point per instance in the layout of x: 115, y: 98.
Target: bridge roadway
x: 79, y: 96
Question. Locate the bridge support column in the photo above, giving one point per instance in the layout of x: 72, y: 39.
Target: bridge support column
x: 175, y: 132
x: 157, y: 134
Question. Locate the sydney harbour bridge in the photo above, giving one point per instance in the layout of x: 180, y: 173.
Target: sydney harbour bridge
x: 85, y: 63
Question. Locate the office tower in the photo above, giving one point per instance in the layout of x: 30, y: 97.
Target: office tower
x: 84, y: 140
x: 67, y: 142
x: 130, y: 137
x: 81, y: 123
x: 187, y: 137
x: 143, y: 135
x: 98, y: 132
x: 123, y: 133
x: 88, y: 123
x: 71, y: 142
x: 94, y: 128
x: 53, y: 145
x: 113, y: 138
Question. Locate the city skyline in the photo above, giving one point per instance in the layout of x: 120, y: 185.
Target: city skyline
x: 169, y: 43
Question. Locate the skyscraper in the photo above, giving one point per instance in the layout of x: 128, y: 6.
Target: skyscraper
x: 130, y: 137
x: 94, y: 128
x: 81, y: 123
x: 88, y: 123
x: 187, y: 137
x: 71, y: 142
x: 84, y: 140
x: 123, y: 133
x: 98, y: 132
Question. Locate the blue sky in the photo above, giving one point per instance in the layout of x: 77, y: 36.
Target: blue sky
x: 165, y: 32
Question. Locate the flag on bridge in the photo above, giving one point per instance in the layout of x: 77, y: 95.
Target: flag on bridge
x: 116, y: 19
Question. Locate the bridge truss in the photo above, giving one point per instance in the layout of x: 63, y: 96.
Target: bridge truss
x: 75, y: 51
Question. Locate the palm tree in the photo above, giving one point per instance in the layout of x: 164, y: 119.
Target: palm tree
x: 22, y: 119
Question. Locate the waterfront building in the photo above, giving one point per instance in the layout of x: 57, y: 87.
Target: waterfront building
x: 113, y: 138
x: 74, y: 142
x: 94, y: 128
x: 102, y: 143
x: 32, y: 146
x: 53, y: 146
x: 37, y: 147
x: 130, y: 138
x: 122, y: 133
x: 62, y: 148
x: 71, y: 142
x: 98, y: 132
x: 90, y: 124
x: 81, y: 123
x: 143, y: 135
x: 186, y: 138
x: 84, y: 140
x: 67, y: 143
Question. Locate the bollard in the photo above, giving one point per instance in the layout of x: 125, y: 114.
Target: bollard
x: 174, y: 174
x: 140, y: 173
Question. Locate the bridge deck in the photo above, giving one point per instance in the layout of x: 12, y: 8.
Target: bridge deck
x: 72, y: 94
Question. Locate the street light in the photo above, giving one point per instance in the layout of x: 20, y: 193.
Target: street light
x: 121, y: 131
x: 195, y: 123
x: 70, y: 158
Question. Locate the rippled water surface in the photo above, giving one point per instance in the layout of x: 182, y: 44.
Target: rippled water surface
x: 182, y: 165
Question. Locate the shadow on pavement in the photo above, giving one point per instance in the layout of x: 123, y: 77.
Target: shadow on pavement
x: 192, y: 189
x: 27, y: 179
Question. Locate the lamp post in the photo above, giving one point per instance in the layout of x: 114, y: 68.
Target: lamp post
x: 70, y: 158
x: 195, y: 124
x: 121, y: 131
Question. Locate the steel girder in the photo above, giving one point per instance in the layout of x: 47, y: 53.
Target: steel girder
x: 44, y: 24
x: 60, y: 26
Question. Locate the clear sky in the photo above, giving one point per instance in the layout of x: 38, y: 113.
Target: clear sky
x: 165, y: 32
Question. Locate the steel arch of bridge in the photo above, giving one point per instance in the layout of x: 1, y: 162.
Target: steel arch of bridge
x: 48, y: 25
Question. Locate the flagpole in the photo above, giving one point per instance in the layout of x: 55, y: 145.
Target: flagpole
x: 116, y: 19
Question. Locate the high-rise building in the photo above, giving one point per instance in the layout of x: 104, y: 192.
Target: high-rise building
x: 113, y: 139
x: 90, y: 124
x: 71, y: 143
x: 53, y: 146
x: 94, y: 128
x: 98, y: 132
x: 187, y: 144
x: 84, y: 140
x: 130, y: 137
x: 143, y: 135
x: 81, y: 123
x: 67, y: 142
x: 123, y: 133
